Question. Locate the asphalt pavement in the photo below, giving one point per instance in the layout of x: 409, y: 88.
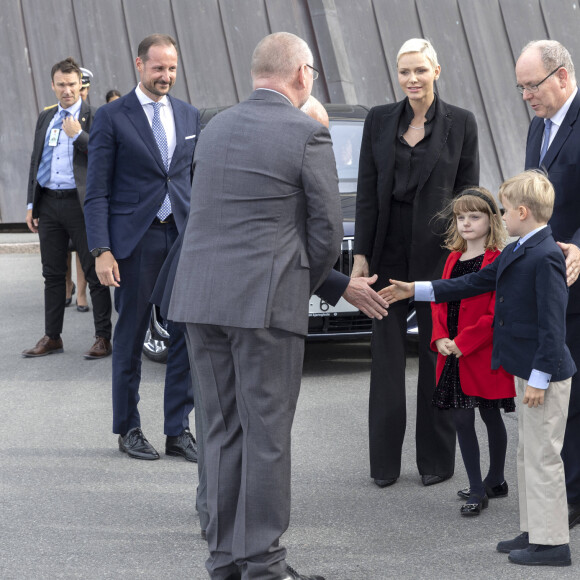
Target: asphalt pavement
x: 73, y: 507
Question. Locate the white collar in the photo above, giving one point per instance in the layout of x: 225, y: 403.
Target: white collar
x: 563, y: 110
x: 145, y: 100
x: 277, y: 92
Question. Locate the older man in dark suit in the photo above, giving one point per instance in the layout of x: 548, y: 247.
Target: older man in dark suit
x: 546, y: 78
x: 56, y: 192
x: 138, y: 189
x: 263, y: 233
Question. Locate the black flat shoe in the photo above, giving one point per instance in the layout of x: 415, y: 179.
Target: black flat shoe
x: 433, y: 479
x: 494, y: 492
x: 82, y: 308
x: 68, y: 301
x: 474, y: 509
x: 385, y: 482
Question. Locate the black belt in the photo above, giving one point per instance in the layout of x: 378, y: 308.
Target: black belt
x: 59, y: 193
x: 168, y: 220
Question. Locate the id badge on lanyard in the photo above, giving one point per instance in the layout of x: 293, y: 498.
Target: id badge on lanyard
x: 53, y: 139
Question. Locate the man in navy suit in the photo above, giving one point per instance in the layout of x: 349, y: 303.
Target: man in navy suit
x: 546, y: 79
x: 138, y: 191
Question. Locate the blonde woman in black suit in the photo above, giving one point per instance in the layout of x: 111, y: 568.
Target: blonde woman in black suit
x: 416, y: 155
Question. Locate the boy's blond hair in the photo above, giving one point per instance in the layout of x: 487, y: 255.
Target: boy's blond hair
x: 474, y: 199
x: 531, y: 189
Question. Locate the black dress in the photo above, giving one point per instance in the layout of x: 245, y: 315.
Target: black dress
x: 448, y: 393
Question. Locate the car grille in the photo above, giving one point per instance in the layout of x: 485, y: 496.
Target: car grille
x: 347, y: 324
x: 354, y: 324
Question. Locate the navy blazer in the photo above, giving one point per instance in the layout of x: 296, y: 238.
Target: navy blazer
x: 562, y: 163
x: 529, y: 328
x: 85, y: 118
x: 126, y: 179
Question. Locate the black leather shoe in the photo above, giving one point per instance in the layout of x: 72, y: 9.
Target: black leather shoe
x: 385, y: 482
x: 540, y: 555
x: 82, y: 308
x: 573, y: 514
x: 520, y: 542
x: 291, y: 574
x: 433, y: 479
x: 135, y: 445
x: 474, y: 509
x: 183, y: 445
x: 496, y: 491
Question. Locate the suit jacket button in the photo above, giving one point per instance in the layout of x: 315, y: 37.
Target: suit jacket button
x: 501, y: 298
x: 501, y: 322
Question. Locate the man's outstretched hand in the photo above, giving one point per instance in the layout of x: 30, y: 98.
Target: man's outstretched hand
x: 360, y: 294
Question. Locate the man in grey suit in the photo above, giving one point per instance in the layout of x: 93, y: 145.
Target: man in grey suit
x: 263, y: 233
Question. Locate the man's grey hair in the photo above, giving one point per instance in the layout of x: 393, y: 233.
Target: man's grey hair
x: 280, y: 55
x: 553, y: 55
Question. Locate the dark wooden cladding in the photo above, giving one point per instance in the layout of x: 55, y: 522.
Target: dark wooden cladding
x: 354, y: 43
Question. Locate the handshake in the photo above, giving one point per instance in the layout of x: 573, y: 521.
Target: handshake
x: 402, y: 290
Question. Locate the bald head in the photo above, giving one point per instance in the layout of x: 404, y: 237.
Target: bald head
x: 281, y: 62
x: 279, y: 55
x: 313, y: 108
x: 545, y: 76
x: 553, y: 54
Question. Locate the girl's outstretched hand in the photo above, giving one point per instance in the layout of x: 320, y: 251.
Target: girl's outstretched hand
x: 397, y: 291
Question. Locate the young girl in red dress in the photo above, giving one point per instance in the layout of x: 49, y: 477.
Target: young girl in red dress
x: 462, y: 334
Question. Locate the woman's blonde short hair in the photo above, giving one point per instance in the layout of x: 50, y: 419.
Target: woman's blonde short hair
x: 419, y: 45
x: 531, y: 189
x: 474, y: 199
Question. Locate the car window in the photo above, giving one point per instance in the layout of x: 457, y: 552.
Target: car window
x: 346, y: 140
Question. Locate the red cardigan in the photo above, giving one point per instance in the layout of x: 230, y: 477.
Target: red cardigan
x: 474, y: 340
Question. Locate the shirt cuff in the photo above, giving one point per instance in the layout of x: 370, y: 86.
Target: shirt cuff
x: 539, y: 380
x: 29, y: 206
x: 73, y: 139
x: 424, y: 292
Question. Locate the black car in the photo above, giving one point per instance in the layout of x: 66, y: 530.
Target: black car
x: 326, y: 322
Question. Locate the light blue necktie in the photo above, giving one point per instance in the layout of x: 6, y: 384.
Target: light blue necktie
x: 43, y: 174
x: 546, y: 142
x: 518, y: 244
x: 161, y: 139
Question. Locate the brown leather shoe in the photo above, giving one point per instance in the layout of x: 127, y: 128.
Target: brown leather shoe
x: 44, y: 346
x: 100, y: 349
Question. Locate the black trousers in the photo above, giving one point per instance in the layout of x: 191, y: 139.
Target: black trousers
x: 60, y: 219
x: 435, y: 430
x: 571, y: 448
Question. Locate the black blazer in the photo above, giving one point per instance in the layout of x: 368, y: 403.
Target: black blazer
x: 451, y: 163
x: 529, y: 328
x: 562, y: 162
x: 86, y: 115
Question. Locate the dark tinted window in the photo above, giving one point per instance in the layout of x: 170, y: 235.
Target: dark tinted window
x: 346, y: 140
